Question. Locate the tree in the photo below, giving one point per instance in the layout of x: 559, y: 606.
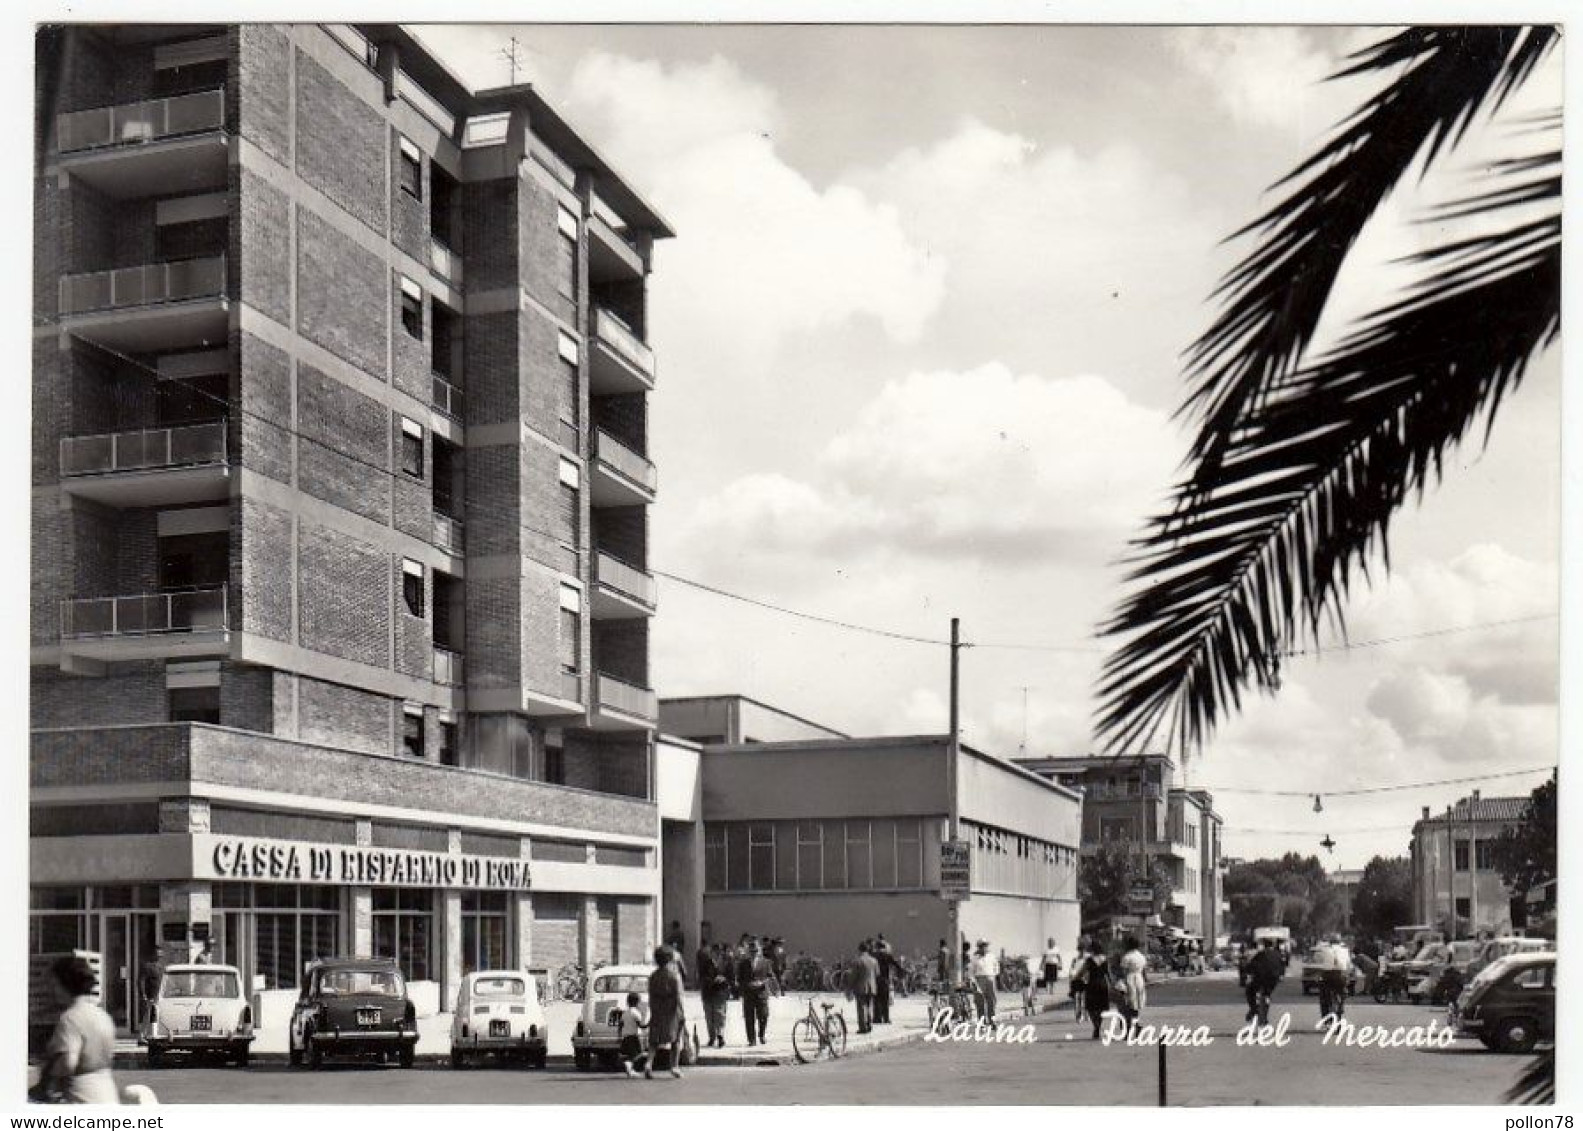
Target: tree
x: 1105, y: 878
x: 1291, y: 891
x: 1384, y: 898
x: 1301, y: 461
x: 1525, y: 854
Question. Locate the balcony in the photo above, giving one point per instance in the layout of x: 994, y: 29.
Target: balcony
x: 448, y: 670
x: 152, y: 467
x: 620, y: 362
x: 448, y: 533
x: 445, y: 397
x: 161, y: 147
x: 613, y: 254
x: 445, y: 263
x: 622, y: 591
x: 623, y: 706
x: 146, y: 625
x: 149, y: 308
x: 621, y: 478
x: 1151, y: 792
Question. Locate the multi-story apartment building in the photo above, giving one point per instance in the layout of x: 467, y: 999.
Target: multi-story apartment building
x: 340, y: 595
x: 1455, y: 882
x: 1135, y: 800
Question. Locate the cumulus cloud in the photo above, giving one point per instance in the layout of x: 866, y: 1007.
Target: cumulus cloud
x: 984, y: 463
x: 1441, y: 713
x: 777, y: 254
x: 1261, y: 76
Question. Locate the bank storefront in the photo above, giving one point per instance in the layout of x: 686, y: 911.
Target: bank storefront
x: 268, y: 882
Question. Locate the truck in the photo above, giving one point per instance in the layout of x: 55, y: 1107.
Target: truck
x: 1282, y: 937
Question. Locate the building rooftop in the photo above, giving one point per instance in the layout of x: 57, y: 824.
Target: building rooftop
x: 733, y: 697
x: 1078, y: 762
x: 1478, y: 808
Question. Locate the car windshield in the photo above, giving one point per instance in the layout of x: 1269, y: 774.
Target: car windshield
x: 499, y: 987
x: 621, y: 983
x: 1492, y: 971
x: 199, y: 983
x: 386, y: 982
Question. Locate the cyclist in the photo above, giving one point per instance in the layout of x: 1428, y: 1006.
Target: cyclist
x: 1265, y: 970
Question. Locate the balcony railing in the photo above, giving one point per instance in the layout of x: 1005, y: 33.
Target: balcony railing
x: 137, y: 122
x: 602, y: 212
x: 445, y: 396
x: 619, y: 336
x: 448, y: 533
x: 447, y: 667
x: 144, y: 614
x: 143, y: 285
x: 571, y: 687
x: 629, y: 699
x: 613, y: 453
x: 1150, y: 792
x: 445, y: 263
x: 627, y: 580
x: 187, y: 445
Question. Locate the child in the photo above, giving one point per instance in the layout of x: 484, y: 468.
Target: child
x: 634, y: 1019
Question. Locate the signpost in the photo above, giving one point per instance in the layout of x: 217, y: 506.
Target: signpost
x: 956, y: 870
x: 1140, y: 899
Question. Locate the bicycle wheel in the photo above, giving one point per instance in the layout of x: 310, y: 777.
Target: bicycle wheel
x: 838, y: 981
x: 835, y: 1034
x: 805, y: 1041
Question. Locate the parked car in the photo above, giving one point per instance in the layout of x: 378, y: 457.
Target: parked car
x: 353, y: 1007
x: 598, y: 1031
x: 498, y: 1013
x: 199, y: 1009
x: 1312, y: 970
x: 1501, y: 947
x: 1511, y: 1004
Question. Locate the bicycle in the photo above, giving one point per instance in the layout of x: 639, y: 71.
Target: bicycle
x: 805, y: 974
x: 571, y: 983
x: 813, y: 1036
x: 962, y: 1001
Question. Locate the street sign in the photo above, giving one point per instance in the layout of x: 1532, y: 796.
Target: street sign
x: 1140, y: 899
x: 956, y: 870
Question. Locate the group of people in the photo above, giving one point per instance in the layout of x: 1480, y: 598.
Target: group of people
x: 870, y: 980
x: 1096, y: 984
x: 751, y: 971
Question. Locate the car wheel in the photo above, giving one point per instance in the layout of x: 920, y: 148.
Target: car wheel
x: 583, y: 1059
x: 1416, y: 999
x: 293, y: 1053
x: 315, y: 1053
x: 156, y: 1056
x: 541, y: 1059
x: 406, y: 1056
x: 242, y: 1056
x: 1516, y: 1034
x: 456, y: 1059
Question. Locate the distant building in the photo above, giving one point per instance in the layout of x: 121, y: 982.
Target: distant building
x: 1181, y: 826
x: 1346, y: 881
x: 1454, y: 875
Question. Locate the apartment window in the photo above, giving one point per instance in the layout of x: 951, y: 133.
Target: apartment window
x: 570, y: 482
x: 567, y: 254
x: 1484, y: 856
x: 571, y: 628
x: 450, y: 753
x: 1460, y: 855
x: 412, y: 586
x: 1464, y: 907
x: 411, y: 172
x: 555, y: 765
x: 569, y: 396
x: 412, y: 448
x: 1116, y: 828
x: 196, y: 705
x: 412, y: 732
x: 412, y: 308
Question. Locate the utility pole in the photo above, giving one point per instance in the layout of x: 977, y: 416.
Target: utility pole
x: 953, y: 809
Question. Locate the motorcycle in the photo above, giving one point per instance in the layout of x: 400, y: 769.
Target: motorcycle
x: 1391, y: 985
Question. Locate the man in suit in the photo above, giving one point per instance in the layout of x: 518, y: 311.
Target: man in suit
x: 889, y: 970
x: 862, y: 984
x: 753, y: 977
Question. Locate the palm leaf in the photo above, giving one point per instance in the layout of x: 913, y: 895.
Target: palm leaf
x: 1537, y: 1083
x: 1274, y: 297
x: 1248, y: 562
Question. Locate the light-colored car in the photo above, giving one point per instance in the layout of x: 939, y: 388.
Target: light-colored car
x: 598, y: 1031
x: 498, y: 1012
x: 1497, y: 948
x: 200, y: 1009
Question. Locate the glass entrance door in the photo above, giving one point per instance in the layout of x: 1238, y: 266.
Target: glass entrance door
x: 115, y: 969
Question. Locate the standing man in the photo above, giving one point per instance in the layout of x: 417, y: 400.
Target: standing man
x: 942, y: 965
x: 985, y: 970
x: 885, y: 958
x: 714, y: 989
x: 149, y: 976
x: 753, y: 975
x: 862, y: 984
x: 1051, y: 975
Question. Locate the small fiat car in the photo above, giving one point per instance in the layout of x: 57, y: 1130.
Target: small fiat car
x: 199, y: 1009
x: 353, y: 1007
x: 498, y: 1012
x: 1510, y: 1006
x: 598, y: 1031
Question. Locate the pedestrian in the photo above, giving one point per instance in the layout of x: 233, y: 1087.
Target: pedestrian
x: 149, y: 977
x: 753, y: 975
x: 1134, y: 982
x: 862, y: 983
x: 885, y: 982
x: 77, y: 1059
x: 205, y: 956
x: 1050, y: 978
x: 1096, y: 984
x: 634, y: 1022
x: 985, y: 971
x: 942, y: 965
x: 1335, y: 964
x: 676, y: 939
x: 666, y: 1021
x: 1265, y: 971
x: 715, y: 989
x: 777, y: 957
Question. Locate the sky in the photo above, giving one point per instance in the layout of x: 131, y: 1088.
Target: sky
x: 920, y: 340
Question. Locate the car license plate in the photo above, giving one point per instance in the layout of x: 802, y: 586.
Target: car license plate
x: 500, y: 1028
x: 201, y: 1024
x: 368, y: 1016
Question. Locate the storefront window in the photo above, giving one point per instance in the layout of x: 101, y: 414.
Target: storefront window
x: 276, y: 928
x: 484, y: 931
x: 404, y: 929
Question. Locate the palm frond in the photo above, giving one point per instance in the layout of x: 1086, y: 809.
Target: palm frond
x: 1274, y: 297
x: 1246, y: 565
x: 1537, y: 1084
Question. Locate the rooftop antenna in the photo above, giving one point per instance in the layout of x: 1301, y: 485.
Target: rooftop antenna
x: 1022, y: 749
x: 512, y: 54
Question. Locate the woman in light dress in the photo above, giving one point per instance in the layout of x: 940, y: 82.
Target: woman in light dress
x: 77, y: 1060
x: 1133, y: 984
